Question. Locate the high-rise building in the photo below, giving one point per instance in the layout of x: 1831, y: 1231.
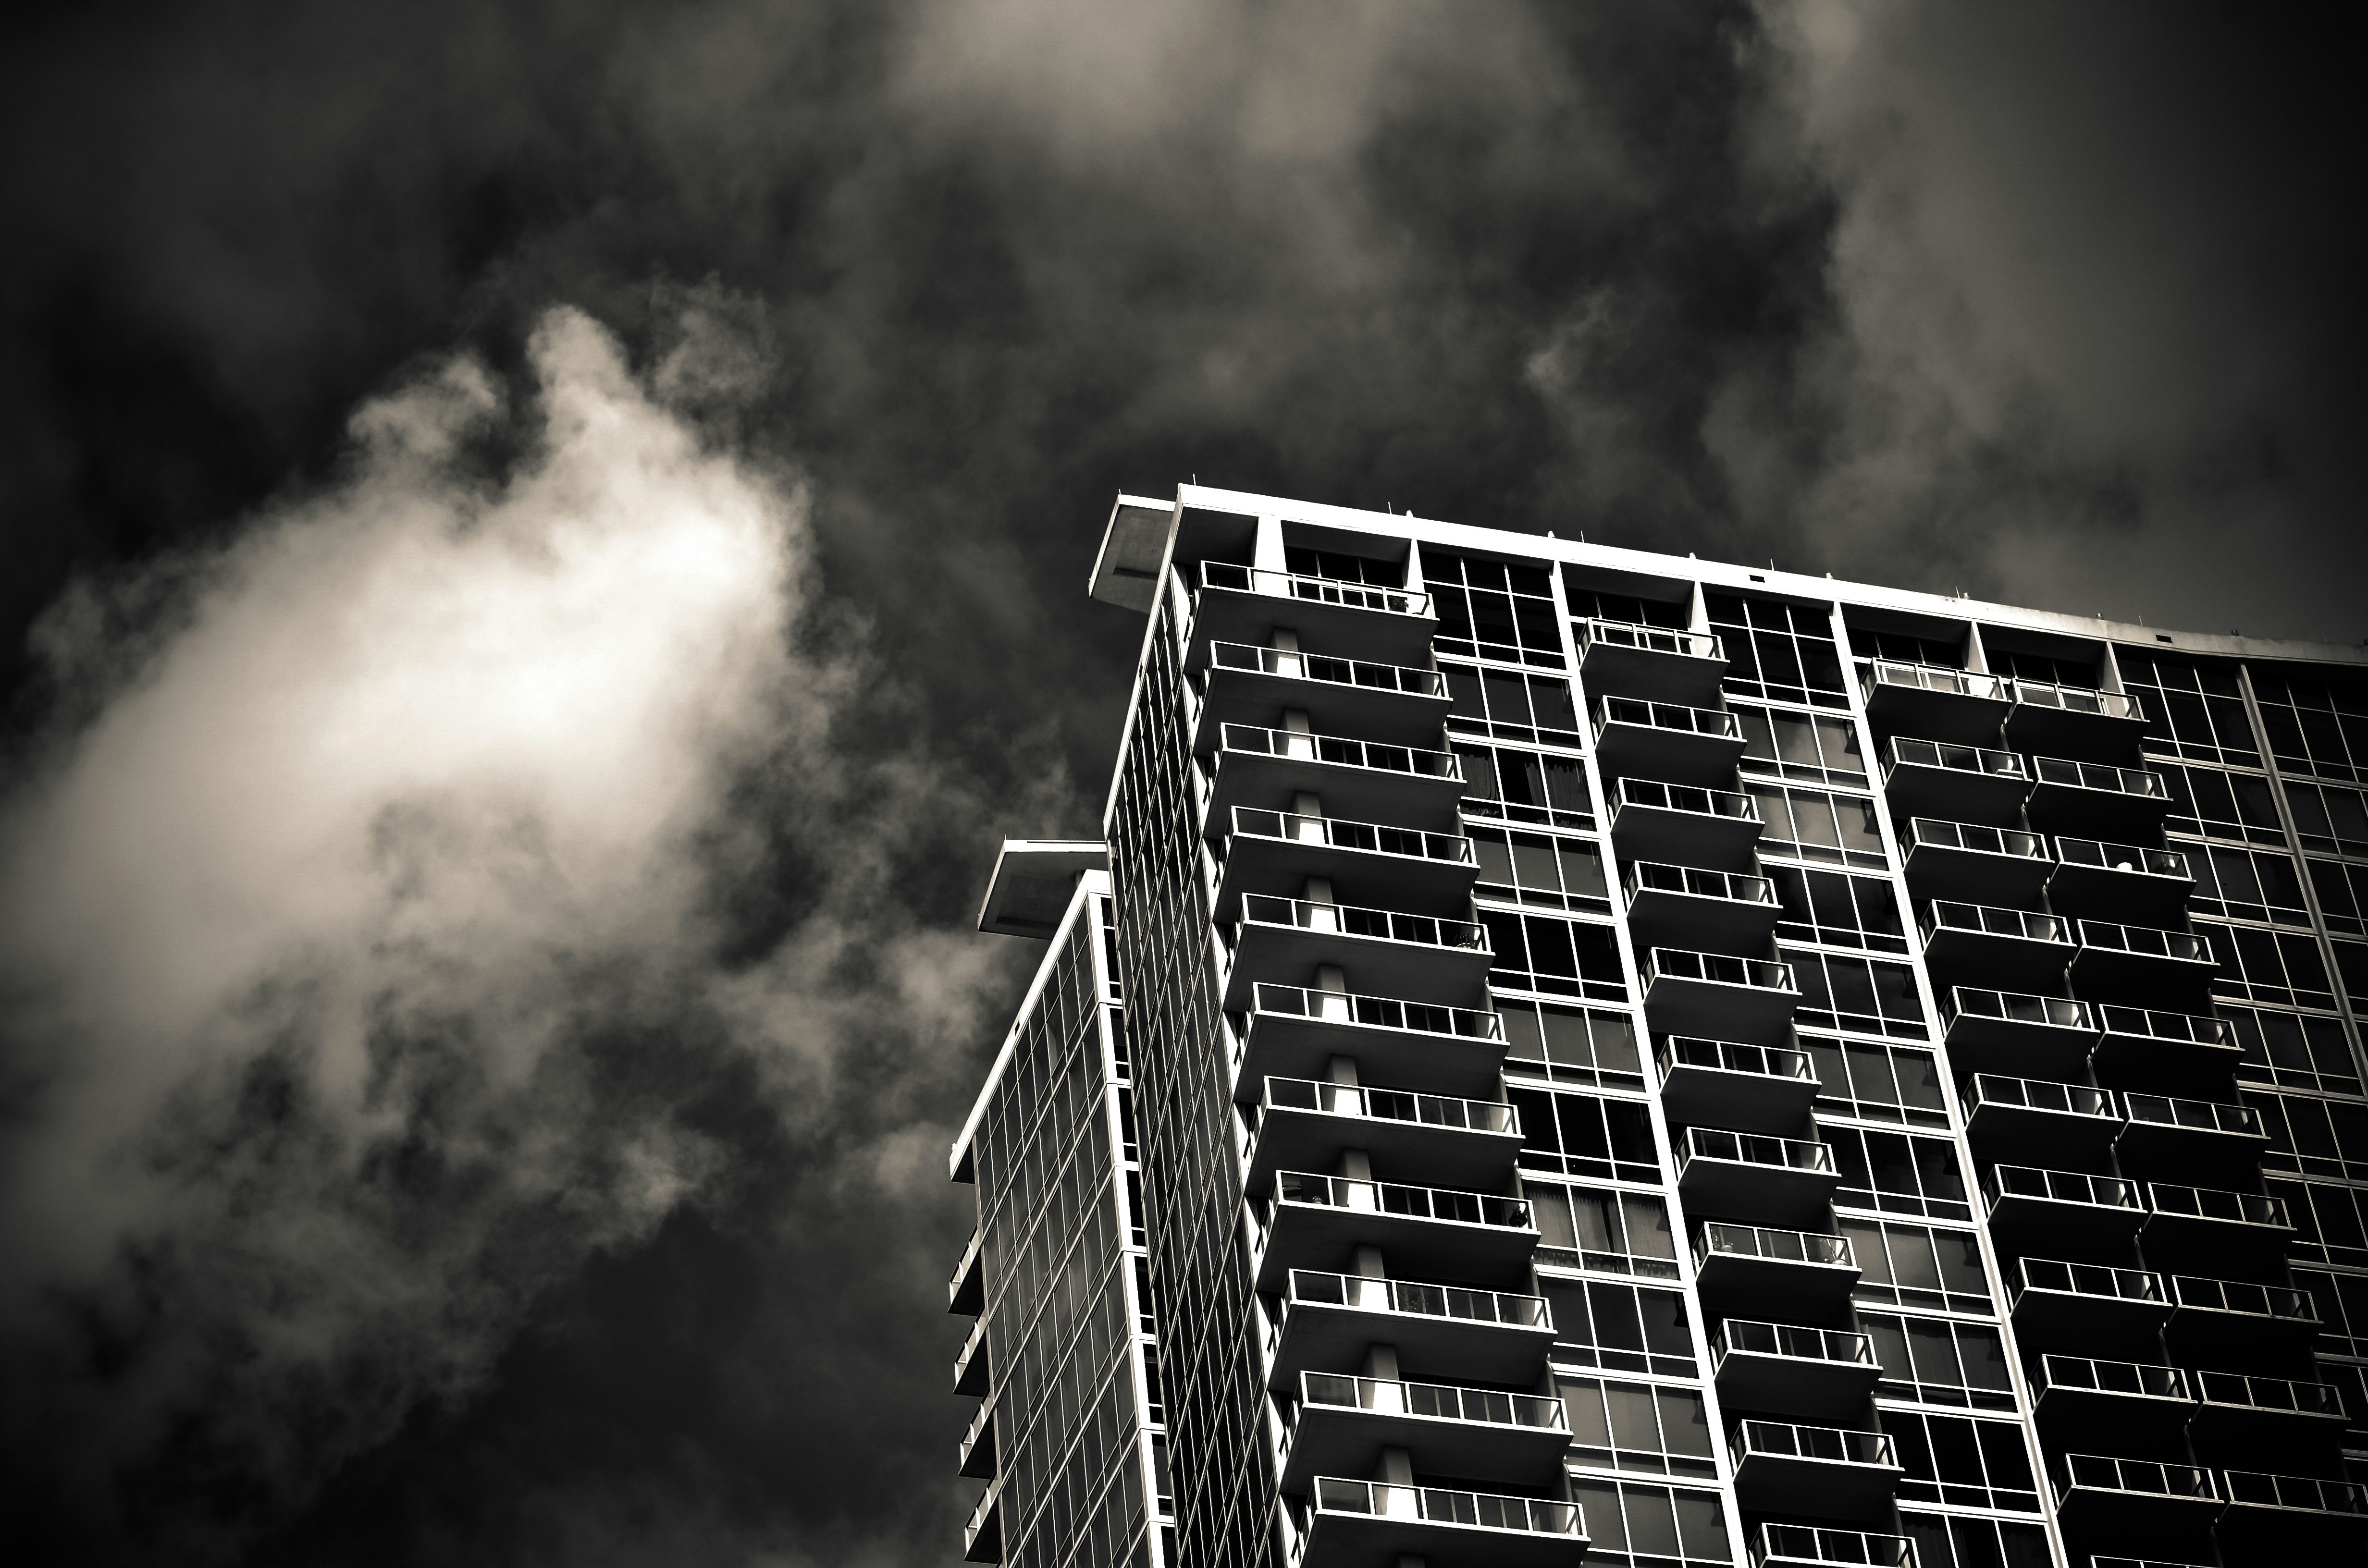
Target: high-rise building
x: 1571, y: 1054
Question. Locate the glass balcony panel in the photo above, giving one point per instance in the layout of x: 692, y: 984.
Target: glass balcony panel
x: 1795, y: 1273
x: 1820, y: 1470
x: 2018, y: 1032
x: 1489, y: 1336
x: 1236, y: 604
x: 1716, y: 994
x: 1973, y: 784
x: 2094, y: 799
x: 1293, y: 1031
x: 1654, y: 661
x: 2050, y: 1212
x: 1655, y: 820
x: 1277, y: 938
x: 1965, y: 861
x: 1755, y: 1177
x: 1360, y: 779
x: 1666, y: 741
x: 1811, y: 1546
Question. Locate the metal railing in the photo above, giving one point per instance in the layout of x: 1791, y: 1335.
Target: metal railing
x: 1444, y: 1506
x: 2145, y: 941
x: 1990, y: 920
x: 2018, y: 1007
x: 2204, y: 1116
x: 2040, y: 1093
x: 2188, y: 1029
x: 2097, y: 1279
x: 1646, y: 638
x: 1932, y: 678
x: 2251, y: 1392
x: 2122, y: 858
x: 1750, y: 1337
x: 1754, y: 1149
x: 1338, y: 833
x: 1300, y: 745
x: 1724, y: 1240
x: 1439, y: 1400
x: 1652, y: 876
x: 2244, y: 1298
x: 1941, y: 833
x: 2144, y: 1380
x: 1376, y: 1012
x: 1765, y: 974
x: 1355, y: 920
x: 1320, y: 590
x: 2256, y: 1488
x: 1674, y: 717
x: 1908, y: 751
x: 1316, y: 1287
x: 1732, y: 1056
x: 1784, y: 1440
x: 1293, y: 665
x: 2134, y: 781
x: 1654, y: 795
x: 2145, y: 1476
x: 2076, y: 699
x: 1397, y: 1198
x: 969, y: 1260
x: 2206, y: 1203
x: 2061, y: 1186
x: 1815, y: 1543
x: 1391, y: 1105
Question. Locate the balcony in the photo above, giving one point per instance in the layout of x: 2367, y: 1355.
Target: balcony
x: 1342, y: 1423
x: 1792, y: 1273
x: 983, y: 1531
x: 1317, y: 1222
x: 2140, y: 1041
x: 1242, y: 604
x: 1718, y: 1082
x: 1488, y: 1336
x: 1284, y: 941
x: 2082, y: 1398
x: 2018, y: 1031
x: 1934, y: 701
x: 1351, y: 1524
x: 1666, y: 741
x: 2135, y: 1501
x: 1747, y: 1176
x: 2011, y: 1116
x: 1719, y: 911
x: 1652, y: 662
x: 2241, y: 1413
x: 2094, y: 876
x: 1362, y: 780
x: 978, y: 1445
x: 2291, y: 1518
x: 2072, y: 721
x: 1304, y: 1123
x: 1717, y: 995
x: 1961, y: 783
x: 2053, y: 1213
x: 2171, y: 1134
x: 970, y: 1367
x: 1824, y: 1471
x: 1654, y: 821
x: 1963, y: 860
x: 1276, y: 852
x: 1788, y: 1370
x: 2221, y: 1320
x: 2194, y: 1224
x: 2012, y: 945
x: 1293, y: 1031
x: 1807, y: 1546
x: 2084, y: 798
x: 2076, y: 1305
x: 1395, y: 704
x: 2119, y: 963
x: 966, y: 1292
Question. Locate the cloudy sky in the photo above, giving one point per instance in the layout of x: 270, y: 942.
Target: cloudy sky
x: 546, y: 545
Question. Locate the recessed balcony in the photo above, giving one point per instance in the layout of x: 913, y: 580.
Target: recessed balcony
x: 1719, y: 1083
x: 1317, y: 1222
x: 1717, y: 995
x: 1293, y: 1031
x: 966, y: 1292
x: 1666, y: 741
x: 1362, y: 780
x: 1794, y: 1273
x: 978, y: 1445
x: 1343, y: 1423
x: 2079, y: 1397
x: 2143, y: 1041
x: 1790, y: 1369
x: 2135, y: 1501
x: 1395, y: 704
x: 970, y: 1367
x: 1654, y: 821
x: 1717, y: 910
x: 983, y: 1531
x: 2078, y: 1305
x: 2013, y: 947
x: 1966, y: 860
x: 2174, y: 1134
x: 2125, y: 963
x: 1354, y: 1524
x: 1492, y: 1336
x: 1973, y: 784
x: 1276, y: 852
x: 2072, y: 721
x: 2092, y: 877
x: 1754, y: 1179
x: 1812, y: 1546
x: 2025, y: 1116
x: 1304, y: 1123
x: 2242, y: 1413
x: 2284, y: 1520
x: 2194, y: 1224
x: 1284, y: 941
x: 1657, y: 662
x: 1244, y: 604
x: 2220, y: 1320
x: 1824, y: 1471
x: 1934, y: 701
x: 2053, y: 1213
x: 2095, y: 799
x: 2018, y: 1031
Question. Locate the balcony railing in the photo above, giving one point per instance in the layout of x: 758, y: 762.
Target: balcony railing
x: 2249, y: 1393
x: 1746, y: 1336
x: 1293, y: 665
x: 1647, y: 876
x: 1300, y: 745
x: 1907, y: 751
x: 1408, y: 1202
x: 1367, y: 1293
x: 1352, y: 920
x: 2203, y: 1203
x: 1376, y: 1012
x: 2145, y: 941
x: 1437, y: 1400
x: 1802, y: 1546
x: 2075, y: 700
x: 1391, y: 1105
x: 2121, y: 858
x: 1764, y: 974
x: 1336, y: 832
x: 2040, y: 1095
x: 2304, y: 1492
x: 1731, y: 1056
x: 1782, y: 1439
x: 1755, y: 1149
x: 2146, y: 1477
x: 2181, y: 1029
x: 1976, y: 838
x: 1719, y: 1239
x: 1646, y: 638
x: 1653, y: 795
x: 2018, y: 1007
x: 2137, y: 1379
x: 2062, y: 1186
x: 1946, y: 915
x: 1668, y: 717
x: 2203, y: 1116
x: 1933, y: 677
x: 1442, y: 1505
x: 2097, y: 1280
x: 2244, y: 1298
x: 1321, y: 590
x: 2135, y: 782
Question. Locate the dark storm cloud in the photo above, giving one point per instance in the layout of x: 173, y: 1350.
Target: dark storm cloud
x: 607, y: 1228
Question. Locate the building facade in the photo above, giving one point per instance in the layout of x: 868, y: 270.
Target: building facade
x: 1640, y: 1061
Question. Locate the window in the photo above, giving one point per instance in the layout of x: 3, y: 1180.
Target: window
x: 1344, y: 568
x: 1877, y: 1082
x: 1897, y: 1173
x: 2247, y: 884
x: 2343, y: 895
x: 1524, y: 786
x: 2349, y: 1382
x: 1812, y: 825
x: 1934, y: 1361
x: 2313, y: 1137
x: 1511, y: 706
x: 1656, y: 1523
x: 1615, y: 1425
x: 2293, y: 1050
x: 1537, y: 952
x: 2312, y: 727
x: 1811, y: 749
x: 1906, y: 648
x: 2330, y: 819
x: 1962, y: 1461
x: 1621, y: 1328
x: 1539, y: 868
x: 1846, y: 911
x: 1946, y: 1540
x: 2269, y: 966
x: 1587, y: 604
x: 1621, y: 1232
x: 1580, y: 1135
x: 1571, y: 1045
x: 2328, y: 1224
x: 1491, y: 610
x: 2212, y: 804
x: 1917, y: 1266
x: 1856, y: 994
x: 2193, y: 710
x: 1782, y: 652
x: 2352, y: 965
x: 2342, y: 1310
